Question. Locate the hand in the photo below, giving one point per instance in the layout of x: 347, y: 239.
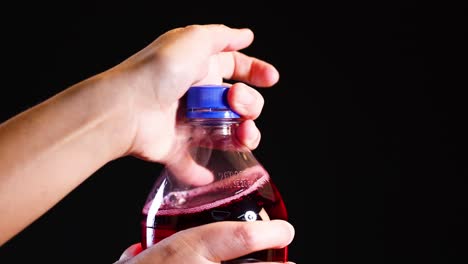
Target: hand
x: 130, y: 109
x: 213, y: 243
x: 161, y: 73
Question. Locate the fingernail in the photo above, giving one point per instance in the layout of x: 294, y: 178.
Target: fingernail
x: 293, y: 231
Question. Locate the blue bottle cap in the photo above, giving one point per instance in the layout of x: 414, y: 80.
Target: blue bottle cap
x: 209, y: 101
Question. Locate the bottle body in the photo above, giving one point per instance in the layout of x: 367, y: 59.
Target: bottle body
x: 235, y: 187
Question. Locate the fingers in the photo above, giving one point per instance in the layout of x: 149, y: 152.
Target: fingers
x: 245, y: 101
x: 220, y: 241
x: 207, y: 39
x: 180, y: 162
x: 248, y: 103
x: 228, y: 240
x: 187, y: 51
x: 214, y: 243
x: 249, y: 134
x: 198, y: 42
x: 183, y: 168
x: 233, y: 65
x: 225, y: 38
x: 240, y: 67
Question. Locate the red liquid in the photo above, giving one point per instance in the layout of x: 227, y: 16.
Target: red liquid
x: 260, y: 201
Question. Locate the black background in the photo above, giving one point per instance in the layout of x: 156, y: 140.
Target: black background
x: 364, y: 134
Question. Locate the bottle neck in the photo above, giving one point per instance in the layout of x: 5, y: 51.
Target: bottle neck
x: 225, y: 126
x: 220, y: 131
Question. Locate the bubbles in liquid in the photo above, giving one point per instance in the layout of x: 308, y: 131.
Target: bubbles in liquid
x: 175, y: 199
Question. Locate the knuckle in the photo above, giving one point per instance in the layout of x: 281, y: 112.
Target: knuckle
x: 196, y: 29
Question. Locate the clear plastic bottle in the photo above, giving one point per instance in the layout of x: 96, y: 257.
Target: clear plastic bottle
x: 212, y: 177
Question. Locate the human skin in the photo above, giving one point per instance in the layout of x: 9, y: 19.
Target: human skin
x: 130, y: 109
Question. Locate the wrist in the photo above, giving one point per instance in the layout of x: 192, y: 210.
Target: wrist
x: 110, y: 113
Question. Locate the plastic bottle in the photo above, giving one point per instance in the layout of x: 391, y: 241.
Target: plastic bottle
x: 212, y: 177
